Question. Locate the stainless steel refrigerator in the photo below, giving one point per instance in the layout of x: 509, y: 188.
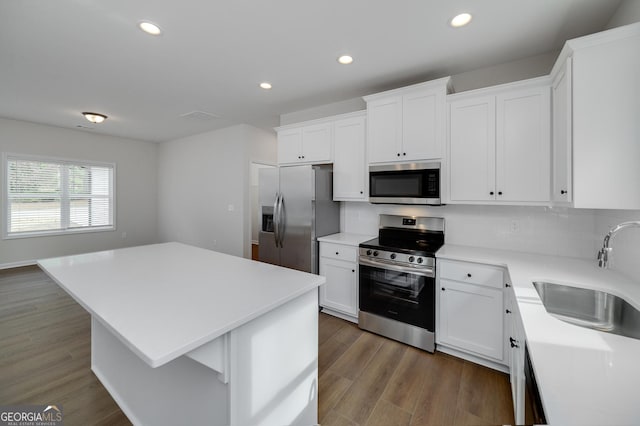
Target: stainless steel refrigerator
x: 296, y: 207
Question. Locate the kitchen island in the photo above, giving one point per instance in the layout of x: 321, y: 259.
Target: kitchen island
x: 183, y: 335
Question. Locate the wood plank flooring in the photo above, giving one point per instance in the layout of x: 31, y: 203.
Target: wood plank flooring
x: 364, y: 379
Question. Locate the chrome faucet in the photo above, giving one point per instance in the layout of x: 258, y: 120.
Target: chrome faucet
x: 603, y: 254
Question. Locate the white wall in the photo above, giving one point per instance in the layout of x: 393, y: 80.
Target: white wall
x: 136, y: 189
x: 627, y: 13
x: 553, y: 231
x: 204, y: 187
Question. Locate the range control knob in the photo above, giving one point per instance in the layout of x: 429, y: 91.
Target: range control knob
x: 375, y: 253
x: 419, y: 260
x: 393, y: 256
x: 368, y: 252
x: 411, y: 258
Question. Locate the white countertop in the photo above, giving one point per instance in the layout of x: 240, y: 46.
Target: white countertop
x: 346, y: 238
x: 585, y: 377
x: 164, y: 300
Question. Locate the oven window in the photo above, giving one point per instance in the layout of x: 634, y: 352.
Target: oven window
x: 402, y: 296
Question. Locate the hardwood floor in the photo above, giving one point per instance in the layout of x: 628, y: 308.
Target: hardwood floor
x: 364, y: 379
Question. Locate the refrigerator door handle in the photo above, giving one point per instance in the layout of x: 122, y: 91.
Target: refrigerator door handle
x: 282, y: 220
x: 276, y: 219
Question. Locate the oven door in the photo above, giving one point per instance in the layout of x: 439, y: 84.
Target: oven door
x: 399, y: 293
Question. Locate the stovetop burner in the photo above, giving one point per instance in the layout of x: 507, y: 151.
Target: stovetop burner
x: 419, y: 236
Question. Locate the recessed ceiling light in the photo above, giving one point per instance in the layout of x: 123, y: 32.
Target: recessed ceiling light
x: 150, y: 28
x: 460, y: 20
x: 94, y: 117
x: 345, y: 59
x: 265, y: 85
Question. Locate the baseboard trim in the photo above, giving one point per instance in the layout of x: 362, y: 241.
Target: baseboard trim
x: 17, y: 264
x: 339, y: 315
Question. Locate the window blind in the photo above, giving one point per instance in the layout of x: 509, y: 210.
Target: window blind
x: 45, y: 196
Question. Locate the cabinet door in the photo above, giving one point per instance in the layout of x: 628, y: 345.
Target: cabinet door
x: 471, y: 318
x: 384, y: 130
x: 316, y: 143
x: 349, y: 166
x: 562, y: 169
x: 472, y: 145
x: 290, y: 146
x: 523, y: 145
x: 340, y: 290
x: 422, y: 124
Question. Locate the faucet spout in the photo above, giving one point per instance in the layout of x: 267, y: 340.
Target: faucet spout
x: 603, y: 253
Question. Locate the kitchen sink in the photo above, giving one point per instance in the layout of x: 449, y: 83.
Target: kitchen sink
x: 593, y: 309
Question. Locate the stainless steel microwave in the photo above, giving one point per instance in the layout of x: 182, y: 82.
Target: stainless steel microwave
x: 405, y: 183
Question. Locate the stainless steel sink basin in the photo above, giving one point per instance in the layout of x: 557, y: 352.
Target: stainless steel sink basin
x: 590, y: 308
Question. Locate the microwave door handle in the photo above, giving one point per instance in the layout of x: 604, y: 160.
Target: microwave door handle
x: 282, y: 219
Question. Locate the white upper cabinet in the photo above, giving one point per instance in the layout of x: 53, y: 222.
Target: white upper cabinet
x: 305, y: 144
x: 407, y: 124
x: 601, y: 118
x: 499, y: 144
x: 349, y: 168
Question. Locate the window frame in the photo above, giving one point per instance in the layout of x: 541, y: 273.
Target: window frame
x: 65, y: 197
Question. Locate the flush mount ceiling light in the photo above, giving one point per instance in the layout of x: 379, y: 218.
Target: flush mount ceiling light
x: 460, y: 20
x: 265, y: 85
x: 150, y: 28
x: 345, y: 59
x: 94, y: 117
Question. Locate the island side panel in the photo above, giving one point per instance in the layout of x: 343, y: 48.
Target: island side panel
x: 182, y: 391
x: 274, y: 366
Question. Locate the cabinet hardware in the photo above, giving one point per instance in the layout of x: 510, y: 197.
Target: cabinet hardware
x: 337, y: 253
x: 513, y: 342
x: 469, y: 275
x: 508, y: 311
x: 398, y: 154
x: 404, y: 153
x: 491, y: 193
x: 499, y: 192
x: 362, y: 192
x: 442, y: 288
x: 562, y: 191
x: 353, y: 270
x: 507, y: 285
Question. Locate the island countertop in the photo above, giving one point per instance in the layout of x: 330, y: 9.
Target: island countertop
x: 164, y: 300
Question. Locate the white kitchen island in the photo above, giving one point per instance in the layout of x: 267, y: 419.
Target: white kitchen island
x: 183, y: 335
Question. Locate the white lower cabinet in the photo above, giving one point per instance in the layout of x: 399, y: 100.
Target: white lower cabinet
x: 515, y: 348
x: 339, y: 295
x: 471, y: 309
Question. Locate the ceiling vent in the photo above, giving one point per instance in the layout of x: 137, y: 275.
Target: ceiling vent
x: 200, y: 115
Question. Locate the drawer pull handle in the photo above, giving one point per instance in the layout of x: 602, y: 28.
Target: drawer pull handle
x: 469, y: 275
x: 508, y: 311
x: 507, y: 285
x: 513, y: 341
x: 337, y: 253
x: 442, y: 288
x: 562, y: 191
x: 353, y: 270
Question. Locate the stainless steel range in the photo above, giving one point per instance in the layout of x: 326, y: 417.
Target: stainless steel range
x: 397, y: 279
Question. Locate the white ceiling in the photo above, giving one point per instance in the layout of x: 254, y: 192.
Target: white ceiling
x: 58, y: 58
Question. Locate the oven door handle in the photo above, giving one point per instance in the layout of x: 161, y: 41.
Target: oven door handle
x: 384, y: 265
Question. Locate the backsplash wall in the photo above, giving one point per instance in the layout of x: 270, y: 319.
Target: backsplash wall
x: 544, y: 230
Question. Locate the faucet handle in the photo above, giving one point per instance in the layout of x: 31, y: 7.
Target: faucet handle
x: 603, y: 257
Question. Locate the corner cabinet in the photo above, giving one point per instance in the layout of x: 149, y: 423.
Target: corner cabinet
x: 407, y: 124
x: 596, y: 125
x: 471, y: 309
x: 499, y: 142
x: 350, y: 177
x: 308, y: 144
x: 339, y: 295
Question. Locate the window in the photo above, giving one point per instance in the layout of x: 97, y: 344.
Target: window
x: 52, y: 196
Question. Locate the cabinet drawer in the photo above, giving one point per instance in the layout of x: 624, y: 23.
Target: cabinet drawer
x: 339, y: 251
x: 472, y: 273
